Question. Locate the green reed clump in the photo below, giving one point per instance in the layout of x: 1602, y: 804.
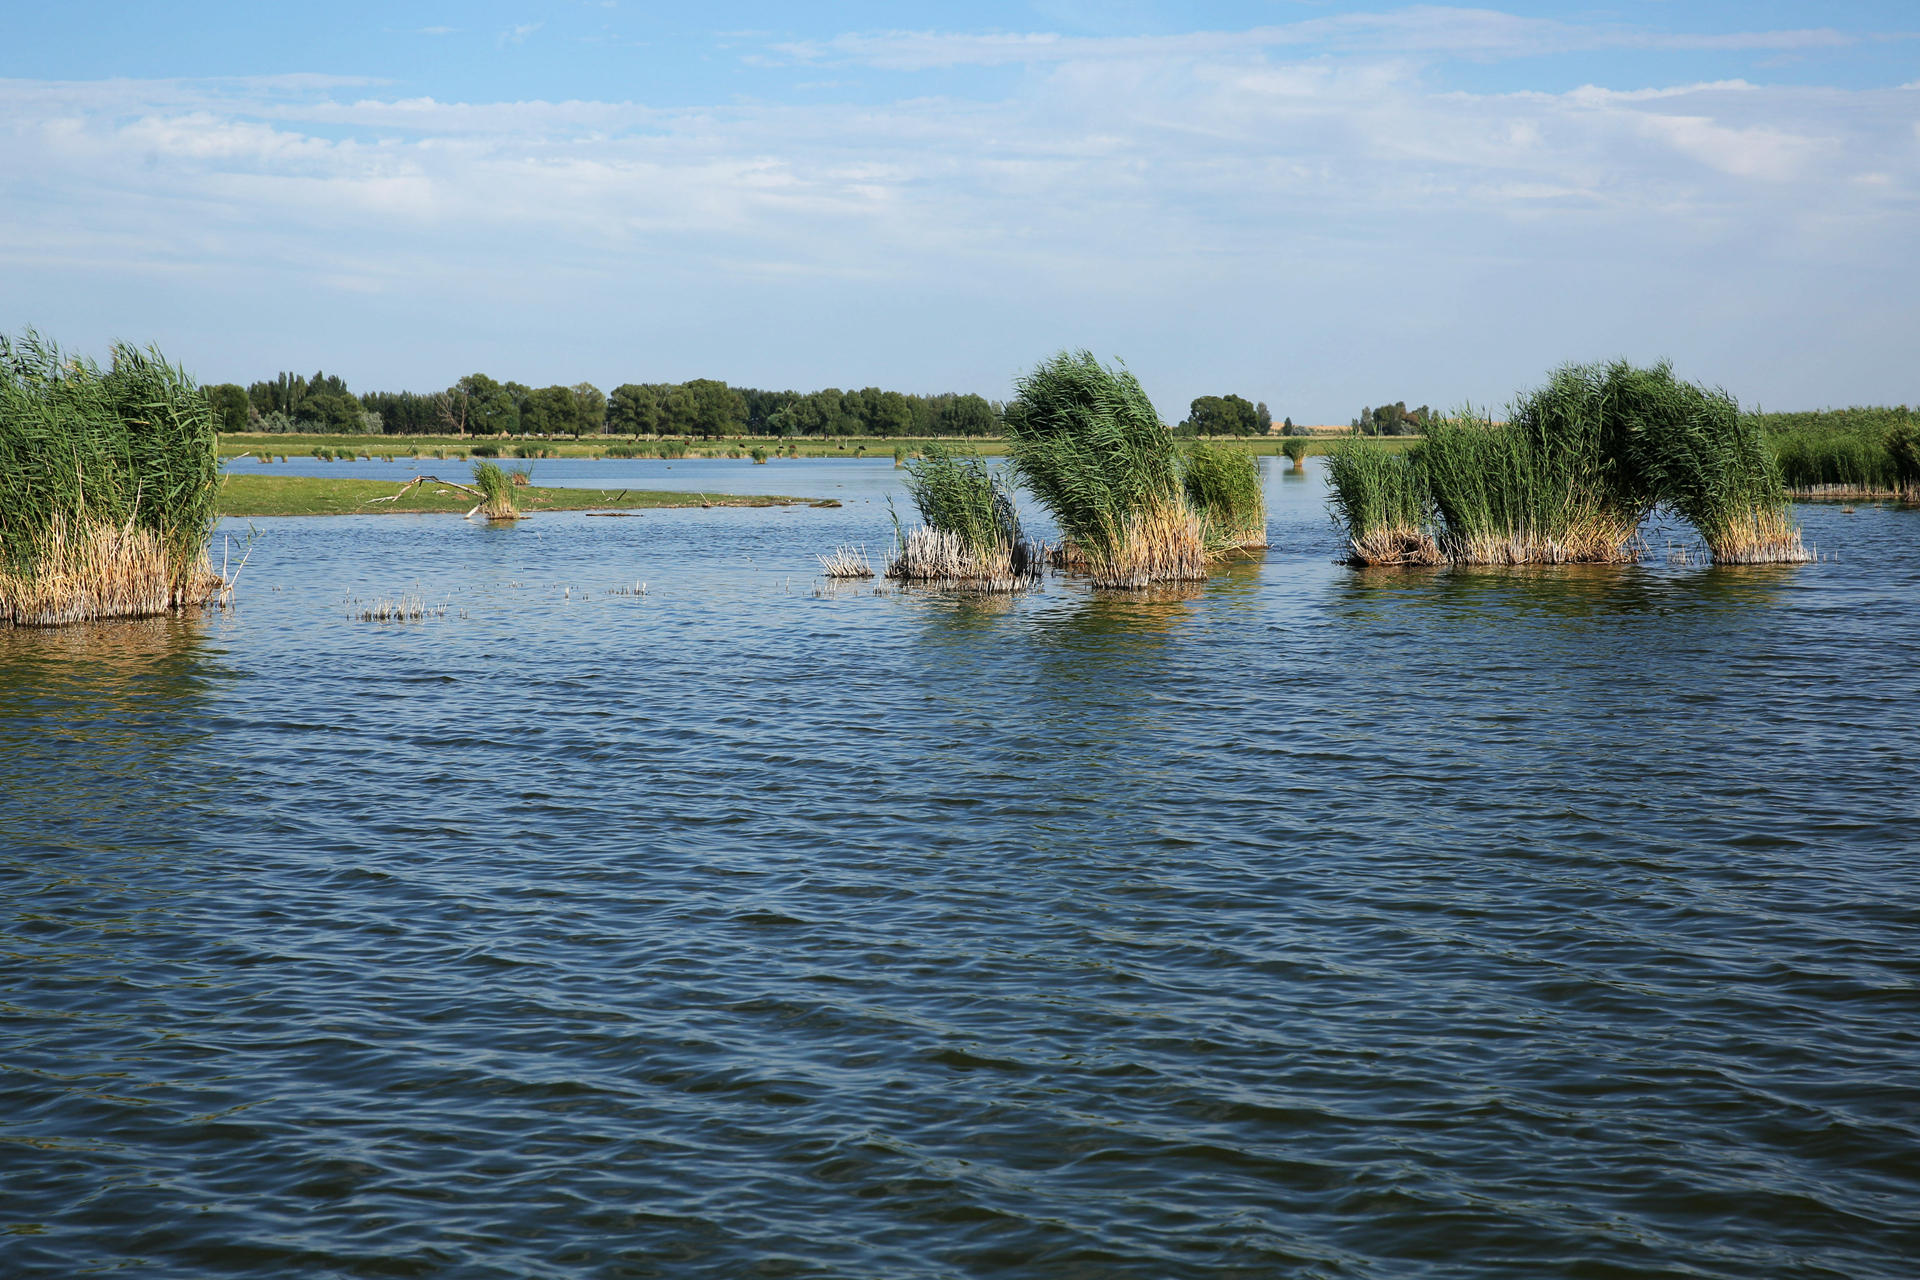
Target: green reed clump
x: 1222, y: 483
x: 1087, y: 442
x: 496, y: 489
x: 108, y: 482
x: 1549, y: 486
x: 1690, y: 448
x: 970, y: 527
x: 1380, y: 499
x: 1296, y: 450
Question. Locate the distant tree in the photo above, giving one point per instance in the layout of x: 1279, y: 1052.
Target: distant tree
x: 1392, y: 420
x: 1263, y: 420
x: 486, y: 407
x: 968, y: 415
x: 1222, y: 416
x: 230, y: 405
x: 888, y: 413
x: 715, y: 409
x: 550, y: 411
x: 633, y: 409
x: 589, y: 409
x: 405, y: 413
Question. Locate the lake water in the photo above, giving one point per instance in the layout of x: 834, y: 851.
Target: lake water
x: 1307, y: 922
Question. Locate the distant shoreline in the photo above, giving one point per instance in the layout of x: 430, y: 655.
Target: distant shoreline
x: 267, y: 496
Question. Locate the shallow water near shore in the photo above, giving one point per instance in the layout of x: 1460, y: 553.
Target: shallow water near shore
x: 1304, y: 922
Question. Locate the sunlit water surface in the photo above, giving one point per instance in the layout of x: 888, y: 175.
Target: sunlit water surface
x: 1309, y: 922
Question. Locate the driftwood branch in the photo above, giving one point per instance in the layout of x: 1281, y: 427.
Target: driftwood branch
x: 401, y: 491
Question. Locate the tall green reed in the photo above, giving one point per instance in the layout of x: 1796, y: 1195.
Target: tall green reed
x: 129, y: 449
x: 1222, y: 483
x: 1086, y: 441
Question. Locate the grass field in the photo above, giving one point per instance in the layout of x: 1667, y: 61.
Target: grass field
x: 378, y: 447
x: 320, y: 496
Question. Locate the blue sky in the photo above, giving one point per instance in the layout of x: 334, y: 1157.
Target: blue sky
x: 1316, y: 205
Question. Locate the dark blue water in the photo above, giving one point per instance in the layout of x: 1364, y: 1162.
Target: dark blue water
x: 1306, y: 922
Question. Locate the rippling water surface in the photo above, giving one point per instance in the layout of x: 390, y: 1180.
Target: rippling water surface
x: 1309, y: 922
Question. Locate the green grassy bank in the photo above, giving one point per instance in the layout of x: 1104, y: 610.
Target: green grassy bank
x: 320, y: 496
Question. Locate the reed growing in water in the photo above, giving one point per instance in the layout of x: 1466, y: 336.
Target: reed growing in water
x: 1381, y: 502
x: 1222, y: 483
x: 1548, y: 487
x: 1568, y: 478
x: 496, y: 492
x: 1690, y: 448
x: 970, y: 529
x: 1845, y: 452
x: 108, y: 482
x: 1086, y: 441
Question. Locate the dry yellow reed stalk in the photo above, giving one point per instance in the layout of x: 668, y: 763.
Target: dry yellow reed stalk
x: 940, y: 555
x: 103, y: 571
x: 1394, y: 546
x: 846, y: 562
x: 1761, y: 535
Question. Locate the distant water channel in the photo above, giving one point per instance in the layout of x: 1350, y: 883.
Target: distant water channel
x: 1310, y: 922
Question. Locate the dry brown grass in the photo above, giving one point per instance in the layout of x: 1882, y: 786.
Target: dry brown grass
x: 103, y: 571
x: 1591, y: 539
x: 1762, y: 535
x: 1399, y: 545
x: 846, y: 562
x: 943, y: 556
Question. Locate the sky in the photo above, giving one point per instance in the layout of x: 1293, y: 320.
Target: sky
x: 1320, y: 206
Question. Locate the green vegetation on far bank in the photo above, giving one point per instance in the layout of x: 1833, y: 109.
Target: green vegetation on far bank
x: 1845, y: 451
x: 739, y: 448
x: 325, y: 496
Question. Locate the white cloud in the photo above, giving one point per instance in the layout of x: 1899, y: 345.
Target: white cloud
x: 1214, y: 211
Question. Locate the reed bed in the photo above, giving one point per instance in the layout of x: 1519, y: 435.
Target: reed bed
x: 1865, y: 453
x: 107, y: 486
x: 1222, y: 483
x: 1544, y: 488
x: 1087, y: 442
x: 1569, y: 477
x: 969, y: 534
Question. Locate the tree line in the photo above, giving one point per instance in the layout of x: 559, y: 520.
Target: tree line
x: 1392, y: 420
x: 479, y: 405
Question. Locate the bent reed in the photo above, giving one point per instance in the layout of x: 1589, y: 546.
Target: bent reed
x: 108, y: 481
x: 1088, y: 443
x: 1569, y: 477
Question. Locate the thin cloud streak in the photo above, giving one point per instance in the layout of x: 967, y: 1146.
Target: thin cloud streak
x: 1422, y: 29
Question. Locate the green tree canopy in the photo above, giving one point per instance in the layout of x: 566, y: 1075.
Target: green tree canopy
x: 1224, y: 416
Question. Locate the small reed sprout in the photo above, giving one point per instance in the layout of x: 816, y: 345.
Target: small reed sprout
x: 107, y: 486
x: 1295, y: 450
x: 846, y: 562
x: 404, y: 609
